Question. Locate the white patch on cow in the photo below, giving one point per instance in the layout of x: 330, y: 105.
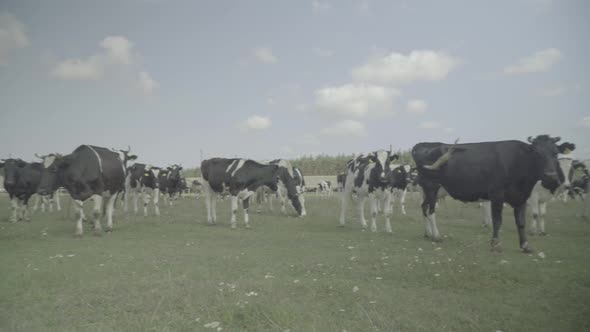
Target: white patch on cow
x: 382, y: 158
x: 287, y: 165
x: 97, y: 157
x: 407, y: 168
x: 156, y: 172
x: 240, y: 164
x: 565, y: 163
x: 48, y: 161
x: 299, y: 175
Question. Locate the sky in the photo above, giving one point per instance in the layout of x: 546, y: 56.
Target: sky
x: 280, y: 79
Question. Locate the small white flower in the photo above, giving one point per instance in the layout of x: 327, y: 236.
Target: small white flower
x: 437, y: 275
x: 296, y: 281
x: 352, y: 258
x: 268, y: 276
x: 350, y: 247
x: 541, y: 254
x: 355, y: 289
x: 379, y: 278
x: 71, y: 255
x: 439, y: 248
x: 372, y: 302
x: 503, y: 261
x: 419, y: 249
x: 198, y: 319
x: 212, y: 325
x: 558, y: 262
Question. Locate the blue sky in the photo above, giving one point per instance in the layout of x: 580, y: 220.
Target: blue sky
x: 269, y: 79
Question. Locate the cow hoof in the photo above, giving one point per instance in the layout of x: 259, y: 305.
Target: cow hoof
x: 527, y: 249
x: 496, y: 245
x: 426, y: 236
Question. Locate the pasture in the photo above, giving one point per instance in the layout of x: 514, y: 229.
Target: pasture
x: 175, y: 273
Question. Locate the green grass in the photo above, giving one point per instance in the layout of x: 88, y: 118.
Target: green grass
x: 174, y: 273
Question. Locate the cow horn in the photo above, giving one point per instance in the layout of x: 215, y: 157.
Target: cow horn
x: 530, y: 139
x: 442, y: 159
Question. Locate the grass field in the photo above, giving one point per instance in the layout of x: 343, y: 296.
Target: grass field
x: 174, y: 273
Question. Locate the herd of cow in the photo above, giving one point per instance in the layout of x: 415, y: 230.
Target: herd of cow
x: 494, y: 173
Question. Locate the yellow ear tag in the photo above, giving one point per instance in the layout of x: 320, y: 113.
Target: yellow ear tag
x: 567, y: 151
x: 146, y: 174
x: 371, y: 162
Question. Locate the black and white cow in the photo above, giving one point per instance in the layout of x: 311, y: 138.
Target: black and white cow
x: 372, y: 176
x: 325, y: 188
x: 174, y: 182
x: 241, y: 177
x: 541, y: 195
x: 21, y: 181
x: 88, y: 172
x: 503, y: 171
x: 297, y: 179
x: 54, y: 196
x: 144, y: 179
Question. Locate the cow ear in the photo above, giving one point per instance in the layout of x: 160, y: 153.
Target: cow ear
x: 180, y: 168
x: 556, y: 139
x: 132, y: 157
x: 566, y: 148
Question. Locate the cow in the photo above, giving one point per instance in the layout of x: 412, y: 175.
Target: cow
x: 501, y: 171
x: 21, y: 181
x: 401, y: 192
x: 372, y: 176
x: 325, y: 188
x: 242, y: 177
x: 540, y: 195
x: 48, y: 199
x: 174, y: 182
x: 144, y: 179
x: 298, y: 180
x: 88, y: 172
x: 196, y: 187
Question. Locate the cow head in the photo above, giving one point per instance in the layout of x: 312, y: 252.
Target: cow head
x: 11, y: 168
x: 566, y: 160
x: 398, y: 177
x: 174, y: 174
x: 149, y: 178
x: 283, y: 175
x: 125, y: 155
x: 382, y: 160
x: 53, y: 164
x: 547, y: 150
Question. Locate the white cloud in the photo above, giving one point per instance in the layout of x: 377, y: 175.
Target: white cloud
x: 320, y: 6
x: 265, y: 55
x: 586, y: 122
x: 345, y: 128
x: 256, y: 122
x: 541, y: 61
x: 357, y: 100
x: 12, y: 35
x: 552, y: 92
x: 147, y: 83
x: 416, y: 106
x: 118, y: 51
x: 399, y: 69
x: 430, y: 125
x: 90, y: 68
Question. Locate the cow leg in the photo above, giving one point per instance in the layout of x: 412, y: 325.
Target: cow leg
x: 302, y: 201
x: 146, y: 201
x: 57, y: 202
x: 156, y: 193
x: 428, y: 210
x: 214, y: 209
x: 234, y: 210
x: 25, y: 209
x: 519, y: 218
x: 80, y: 216
x: 533, y: 202
x: 403, y: 201
x: 388, y: 211
x: 487, y: 213
x: 36, y: 206
x: 283, y: 197
x: 270, y: 199
x: 110, y: 210
x: 374, y: 205
x: 542, y: 212
x: 208, y: 198
x: 245, y: 206
x: 344, y: 201
x: 497, y: 221
x: 361, y: 208
x: 96, y: 214
x: 135, y: 199
x: 14, y: 205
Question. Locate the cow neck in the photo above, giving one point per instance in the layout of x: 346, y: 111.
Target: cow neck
x: 97, y: 157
